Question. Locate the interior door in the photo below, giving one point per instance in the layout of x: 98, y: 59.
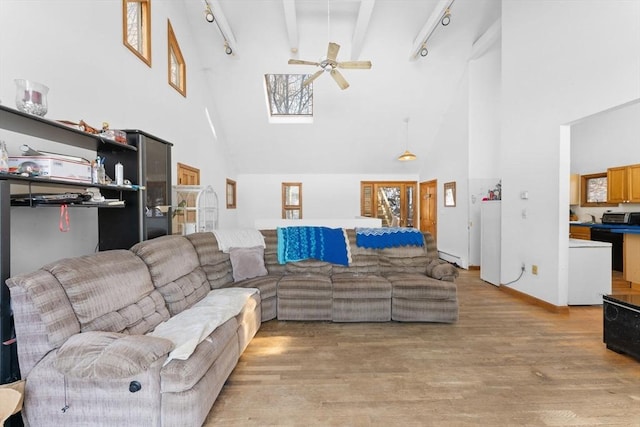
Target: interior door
x: 429, y: 207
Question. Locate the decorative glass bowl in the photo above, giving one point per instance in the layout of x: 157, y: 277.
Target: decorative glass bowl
x: 31, y: 97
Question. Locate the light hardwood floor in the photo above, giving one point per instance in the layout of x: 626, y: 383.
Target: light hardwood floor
x: 504, y: 363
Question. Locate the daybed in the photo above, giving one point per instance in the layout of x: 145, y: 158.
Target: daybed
x: 95, y: 348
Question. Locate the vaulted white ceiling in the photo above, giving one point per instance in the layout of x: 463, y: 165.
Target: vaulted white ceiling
x: 361, y: 129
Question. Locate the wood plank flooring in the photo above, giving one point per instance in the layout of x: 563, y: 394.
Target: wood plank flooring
x: 504, y: 363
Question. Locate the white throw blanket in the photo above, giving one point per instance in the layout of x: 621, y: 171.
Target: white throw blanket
x: 238, y: 238
x: 190, y: 327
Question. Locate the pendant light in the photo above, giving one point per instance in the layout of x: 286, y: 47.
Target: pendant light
x: 407, y: 155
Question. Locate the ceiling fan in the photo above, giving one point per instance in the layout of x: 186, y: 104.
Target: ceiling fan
x: 330, y: 65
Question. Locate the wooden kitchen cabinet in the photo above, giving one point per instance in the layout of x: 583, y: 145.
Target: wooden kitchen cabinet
x: 574, y: 189
x: 580, y: 232
x: 623, y: 184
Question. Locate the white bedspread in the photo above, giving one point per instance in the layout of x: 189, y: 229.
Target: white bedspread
x: 190, y: 327
x: 238, y: 238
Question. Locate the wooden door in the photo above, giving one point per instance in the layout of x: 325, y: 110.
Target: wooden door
x: 188, y: 175
x: 429, y: 207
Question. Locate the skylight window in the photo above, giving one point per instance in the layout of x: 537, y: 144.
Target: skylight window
x: 288, y: 99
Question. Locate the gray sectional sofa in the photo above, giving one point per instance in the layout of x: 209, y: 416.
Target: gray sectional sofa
x: 88, y: 335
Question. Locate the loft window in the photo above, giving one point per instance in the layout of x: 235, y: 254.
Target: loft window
x: 288, y: 99
x: 136, y: 28
x: 177, y: 67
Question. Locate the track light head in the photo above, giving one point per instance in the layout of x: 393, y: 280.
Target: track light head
x: 227, y: 49
x: 208, y: 15
x: 446, y: 19
x: 424, y: 51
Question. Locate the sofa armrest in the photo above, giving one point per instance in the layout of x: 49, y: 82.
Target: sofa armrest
x: 442, y: 270
x: 109, y: 355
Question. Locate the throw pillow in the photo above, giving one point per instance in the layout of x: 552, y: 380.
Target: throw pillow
x: 247, y: 263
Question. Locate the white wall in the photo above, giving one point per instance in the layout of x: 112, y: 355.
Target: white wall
x: 76, y: 49
x: 484, y: 138
x: 323, y: 196
x: 448, y: 162
x: 604, y: 140
x: 561, y: 60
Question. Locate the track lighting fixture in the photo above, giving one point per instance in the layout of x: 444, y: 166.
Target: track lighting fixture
x: 208, y: 14
x: 440, y: 16
x: 227, y: 48
x: 446, y: 19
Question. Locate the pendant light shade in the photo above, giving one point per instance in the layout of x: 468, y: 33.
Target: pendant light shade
x: 407, y: 155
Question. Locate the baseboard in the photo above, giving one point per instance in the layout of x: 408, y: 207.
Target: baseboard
x: 635, y: 286
x: 535, y: 301
x: 474, y: 268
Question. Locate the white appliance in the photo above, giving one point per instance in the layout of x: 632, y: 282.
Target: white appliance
x: 490, y: 218
x: 589, y: 271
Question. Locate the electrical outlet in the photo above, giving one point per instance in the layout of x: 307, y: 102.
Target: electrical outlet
x: 534, y: 269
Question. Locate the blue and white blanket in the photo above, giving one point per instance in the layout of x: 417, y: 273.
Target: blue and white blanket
x: 321, y: 243
x: 388, y: 237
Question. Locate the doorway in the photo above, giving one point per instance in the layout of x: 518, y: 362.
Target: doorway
x: 391, y: 201
x: 429, y: 207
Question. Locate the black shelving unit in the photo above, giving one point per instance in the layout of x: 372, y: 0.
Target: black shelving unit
x: 150, y: 167
x: 119, y: 227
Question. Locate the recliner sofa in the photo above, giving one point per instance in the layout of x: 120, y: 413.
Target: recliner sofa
x: 86, y: 326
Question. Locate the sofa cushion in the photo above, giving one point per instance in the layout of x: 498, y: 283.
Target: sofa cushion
x: 110, y: 291
x: 419, y: 286
x: 108, y: 355
x: 309, y: 266
x: 175, y: 270
x: 247, y: 263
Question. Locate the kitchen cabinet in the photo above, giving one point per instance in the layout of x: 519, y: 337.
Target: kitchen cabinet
x: 574, y: 189
x: 579, y: 232
x: 623, y: 184
x: 631, y: 257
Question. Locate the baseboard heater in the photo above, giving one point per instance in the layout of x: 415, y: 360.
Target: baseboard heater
x: 454, y: 259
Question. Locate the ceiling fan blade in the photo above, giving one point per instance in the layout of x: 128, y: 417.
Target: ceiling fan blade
x: 332, y: 52
x: 301, y: 62
x: 355, y: 64
x: 312, y: 77
x: 339, y: 79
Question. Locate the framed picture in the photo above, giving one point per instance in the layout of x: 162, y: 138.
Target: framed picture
x: 231, y: 194
x: 450, y: 193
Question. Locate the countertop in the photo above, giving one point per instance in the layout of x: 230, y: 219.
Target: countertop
x: 579, y: 243
x: 615, y: 228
